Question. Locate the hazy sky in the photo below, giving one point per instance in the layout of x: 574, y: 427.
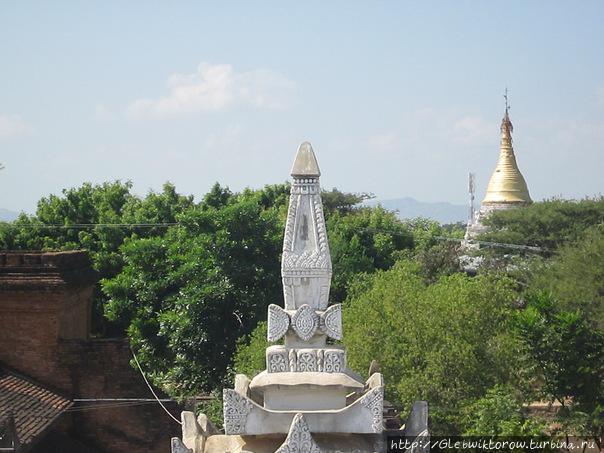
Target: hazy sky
x: 397, y: 98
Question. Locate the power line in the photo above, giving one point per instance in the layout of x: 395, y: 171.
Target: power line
x: 109, y: 406
x: 151, y: 388
x: 172, y: 224
x: 89, y: 225
x: 95, y: 400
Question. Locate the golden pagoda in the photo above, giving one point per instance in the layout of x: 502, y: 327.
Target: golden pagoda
x: 507, y: 185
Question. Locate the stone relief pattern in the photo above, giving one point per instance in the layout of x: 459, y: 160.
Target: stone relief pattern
x: 306, y: 360
x: 331, y: 322
x: 374, y: 401
x: 236, y: 409
x: 333, y: 362
x: 299, y: 439
x: 305, y: 187
x: 321, y: 232
x: 305, y: 322
x: 309, y: 259
x: 288, y: 238
x: 278, y: 322
x: 306, y: 260
x: 278, y: 362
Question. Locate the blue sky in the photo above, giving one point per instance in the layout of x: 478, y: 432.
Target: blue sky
x: 397, y: 98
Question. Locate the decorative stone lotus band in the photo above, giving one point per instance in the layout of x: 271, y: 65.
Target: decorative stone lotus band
x: 305, y: 186
x: 304, y: 321
x: 280, y: 359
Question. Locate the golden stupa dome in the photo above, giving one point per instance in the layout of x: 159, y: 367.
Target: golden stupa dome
x: 507, y: 185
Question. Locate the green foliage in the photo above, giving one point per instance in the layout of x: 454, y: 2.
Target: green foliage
x: 218, y: 197
x: 439, y: 260
x: 188, y: 296
x: 548, y: 224
x: 575, y: 276
x: 365, y: 240
x: 342, y: 202
x: 499, y: 413
x: 213, y: 409
x: 250, y: 356
x: 446, y: 343
x: 569, y: 357
x: 107, y: 203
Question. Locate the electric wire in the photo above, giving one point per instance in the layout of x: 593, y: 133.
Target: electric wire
x: 109, y: 406
x: 151, y: 388
x: 173, y: 224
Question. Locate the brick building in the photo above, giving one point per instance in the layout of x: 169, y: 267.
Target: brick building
x: 49, y: 364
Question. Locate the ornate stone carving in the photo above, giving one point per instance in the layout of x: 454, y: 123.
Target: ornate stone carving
x: 374, y: 401
x: 305, y: 322
x: 324, y: 261
x: 280, y: 359
x: 299, y: 439
x: 307, y: 360
x: 334, y: 361
x: 309, y: 258
x: 277, y: 361
x: 278, y: 322
x: 331, y: 322
x: 288, y: 238
x: 236, y: 409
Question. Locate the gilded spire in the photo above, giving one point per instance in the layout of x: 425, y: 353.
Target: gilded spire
x: 507, y: 185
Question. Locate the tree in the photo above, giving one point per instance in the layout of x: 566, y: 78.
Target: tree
x: 446, y: 343
x: 569, y: 358
x: 575, y: 276
x: 548, y: 224
x: 365, y: 240
x: 188, y: 296
x: 500, y: 413
x: 342, y: 202
x: 250, y: 357
x: 84, y: 218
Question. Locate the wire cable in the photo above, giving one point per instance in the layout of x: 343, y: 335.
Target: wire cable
x: 151, y: 388
x: 80, y: 226
x: 409, y: 234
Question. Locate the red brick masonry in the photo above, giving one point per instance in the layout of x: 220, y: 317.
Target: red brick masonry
x: 45, y: 302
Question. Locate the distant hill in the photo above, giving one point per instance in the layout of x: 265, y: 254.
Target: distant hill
x: 409, y: 208
x: 8, y: 216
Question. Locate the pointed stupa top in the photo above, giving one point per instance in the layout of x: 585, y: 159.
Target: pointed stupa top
x: 305, y: 163
x: 507, y: 185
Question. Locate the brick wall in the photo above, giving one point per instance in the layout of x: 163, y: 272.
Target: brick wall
x: 45, y: 301
x: 101, y: 369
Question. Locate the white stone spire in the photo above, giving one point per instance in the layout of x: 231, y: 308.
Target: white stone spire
x: 306, y: 387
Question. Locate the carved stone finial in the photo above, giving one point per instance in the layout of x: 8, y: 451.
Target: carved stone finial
x: 306, y: 261
x: 305, y: 163
x: 299, y: 439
